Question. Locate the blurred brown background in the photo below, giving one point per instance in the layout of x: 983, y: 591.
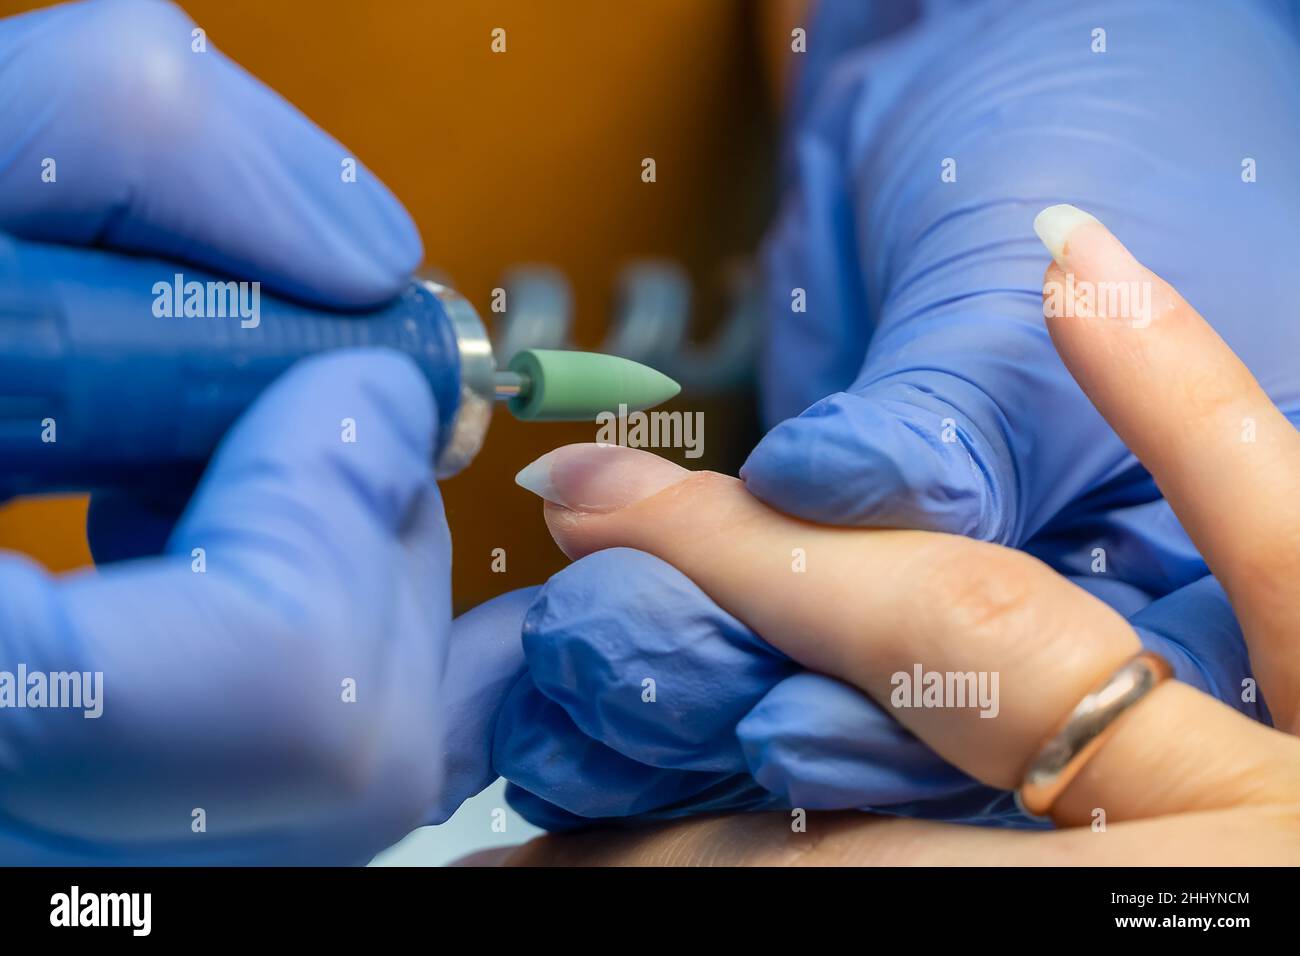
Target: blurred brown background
x: 533, y: 155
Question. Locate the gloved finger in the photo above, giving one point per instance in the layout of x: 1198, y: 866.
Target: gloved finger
x: 896, y: 456
x: 543, y: 813
x: 484, y: 660
x: 906, y: 354
x: 734, y: 794
x: 903, y: 284
x: 286, y: 462
x: 121, y: 525
x: 943, y: 423
x: 1147, y: 358
x: 123, y: 129
x: 286, y: 676
x: 641, y: 660
x: 820, y: 744
x: 538, y: 747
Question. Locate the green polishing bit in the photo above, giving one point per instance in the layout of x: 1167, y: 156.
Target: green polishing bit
x: 550, y: 385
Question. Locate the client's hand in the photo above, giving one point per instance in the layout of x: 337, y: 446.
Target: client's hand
x: 1183, y: 777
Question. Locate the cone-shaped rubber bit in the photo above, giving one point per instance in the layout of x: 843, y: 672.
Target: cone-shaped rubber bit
x: 560, y: 386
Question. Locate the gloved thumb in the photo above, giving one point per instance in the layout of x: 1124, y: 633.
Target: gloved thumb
x: 306, y: 562
x: 320, y: 474
x: 893, y: 455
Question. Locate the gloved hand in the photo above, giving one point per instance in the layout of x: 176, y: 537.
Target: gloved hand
x: 272, y: 667
x: 919, y: 388
x: 119, y: 133
x: 933, y: 396
x: 733, y: 724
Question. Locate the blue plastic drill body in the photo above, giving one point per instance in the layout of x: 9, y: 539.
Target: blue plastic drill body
x: 103, y: 384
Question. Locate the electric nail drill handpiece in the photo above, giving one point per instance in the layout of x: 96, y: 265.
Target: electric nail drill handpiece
x: 125, y: 372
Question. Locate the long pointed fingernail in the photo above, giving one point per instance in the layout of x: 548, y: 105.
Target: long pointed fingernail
x: 1054, y: 225
x: 598, y: 478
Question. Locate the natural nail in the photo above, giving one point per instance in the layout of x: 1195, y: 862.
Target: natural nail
x: 598, y: 478
x: 1055, y: 223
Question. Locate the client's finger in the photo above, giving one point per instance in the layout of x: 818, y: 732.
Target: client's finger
x: 1226, y: 459
x: 886, y: 610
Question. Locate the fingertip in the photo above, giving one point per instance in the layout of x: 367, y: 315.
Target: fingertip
x: 1055, y: 224
x: 584, y: 483
x: 594, y: 479
x: 1083, y: 246
x: 566, y: 530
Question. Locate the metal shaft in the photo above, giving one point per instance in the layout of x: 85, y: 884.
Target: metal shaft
x: 508, y: 385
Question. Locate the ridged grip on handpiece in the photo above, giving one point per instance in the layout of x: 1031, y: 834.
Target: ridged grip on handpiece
x: 98, y: 390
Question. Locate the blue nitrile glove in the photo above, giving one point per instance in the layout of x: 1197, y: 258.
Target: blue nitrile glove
x: 157, y: 148
x: 119, y: 131
x: 734, y: 725
x: 228, y: 732
x: 484, y: 662
x: 948, y: 408
x: 274, y: 675
x: 920, y: 388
